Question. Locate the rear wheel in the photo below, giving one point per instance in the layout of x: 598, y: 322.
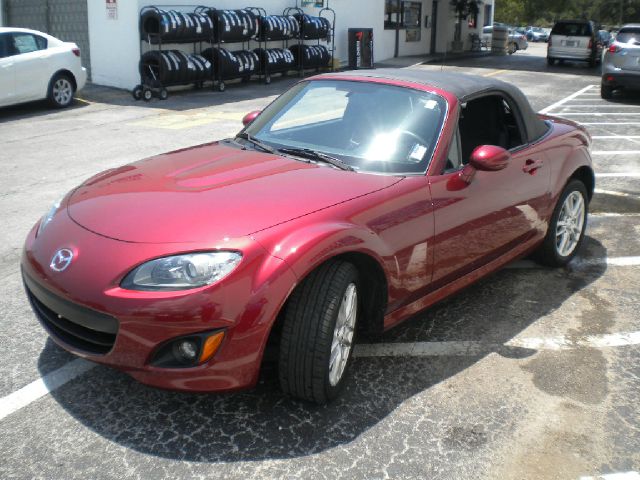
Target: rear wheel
x: 551, y: 61
x: 513, y: 48
x: 567, y: 226
x: 606, y: 91
x: 61, y: 91
x: 318, y: 333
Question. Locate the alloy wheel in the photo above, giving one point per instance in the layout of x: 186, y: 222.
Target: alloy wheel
x: 343, y: 334
x: 62, y: 91
x: 570, y: 223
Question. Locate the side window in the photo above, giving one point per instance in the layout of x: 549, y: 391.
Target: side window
x: 27, y: 43
x: 454, y: 159
x: 4, y: 45
x: 514, y: 134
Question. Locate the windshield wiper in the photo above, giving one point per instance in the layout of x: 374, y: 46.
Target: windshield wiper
x: 317, y: 156
x: 256, y: 142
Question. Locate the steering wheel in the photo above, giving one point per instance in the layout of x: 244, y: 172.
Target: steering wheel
x: 415, y: 136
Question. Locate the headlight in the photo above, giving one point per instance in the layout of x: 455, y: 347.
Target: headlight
x: 48, y: 216
x: 181, y: 272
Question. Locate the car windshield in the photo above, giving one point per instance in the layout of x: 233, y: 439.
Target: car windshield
x: 629, y: 35
x: 572, y: 29
x: 371, y: 127
x: 537, y: 30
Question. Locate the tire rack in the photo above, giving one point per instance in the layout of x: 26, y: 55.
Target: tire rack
x: 263, y: 41
x: 144, y: 91
x: 218, y: 78
x: 330, y: 15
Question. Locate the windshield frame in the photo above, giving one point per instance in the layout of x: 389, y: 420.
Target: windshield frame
x: 280, y: 102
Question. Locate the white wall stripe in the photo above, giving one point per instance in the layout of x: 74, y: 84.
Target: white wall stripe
x: 474, y: 348
x: 565, y: 99
x: 41, y: 387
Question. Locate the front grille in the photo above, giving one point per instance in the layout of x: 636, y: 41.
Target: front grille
x: 77, y: 326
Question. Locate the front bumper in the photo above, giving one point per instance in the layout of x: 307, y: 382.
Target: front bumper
x: 86, y: 312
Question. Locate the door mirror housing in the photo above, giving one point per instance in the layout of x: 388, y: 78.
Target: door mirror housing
x: 489, y: 158
x: 250, y: 117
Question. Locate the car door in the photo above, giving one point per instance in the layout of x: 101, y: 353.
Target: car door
x: 7, y: 72
x: 481, y: 215
x: 31, y: 64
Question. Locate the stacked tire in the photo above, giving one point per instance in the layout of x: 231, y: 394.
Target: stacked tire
x: 311, y: 56
x: 238, y: 64
x: 171, y: 26
x: 314, y: 28
x: 234, y: 26
x: 278, y: 27
x: 161, y: 68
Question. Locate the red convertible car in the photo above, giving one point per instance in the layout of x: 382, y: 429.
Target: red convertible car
x: 350, y: 203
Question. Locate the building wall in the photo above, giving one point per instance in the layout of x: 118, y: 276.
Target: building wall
x: 115, y: 47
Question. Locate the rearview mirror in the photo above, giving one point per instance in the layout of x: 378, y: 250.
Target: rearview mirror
x: 489, y: 158
x: 250, y: 117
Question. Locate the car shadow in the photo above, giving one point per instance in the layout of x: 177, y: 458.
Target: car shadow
x: 525, y: 63
x: 263, y: 424
x: 38, y: 108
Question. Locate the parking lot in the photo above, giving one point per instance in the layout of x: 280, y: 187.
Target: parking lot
x: 530, y: 373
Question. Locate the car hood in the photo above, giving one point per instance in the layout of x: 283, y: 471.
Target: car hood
x: 209, y: 192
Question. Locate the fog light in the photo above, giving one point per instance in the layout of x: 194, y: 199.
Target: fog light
x: 187, y: 350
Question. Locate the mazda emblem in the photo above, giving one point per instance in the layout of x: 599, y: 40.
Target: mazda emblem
x: 61, y: 260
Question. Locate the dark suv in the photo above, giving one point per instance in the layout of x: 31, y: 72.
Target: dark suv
x: 576, y: 40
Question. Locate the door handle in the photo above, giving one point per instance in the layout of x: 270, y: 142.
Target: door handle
x: 530, y: 166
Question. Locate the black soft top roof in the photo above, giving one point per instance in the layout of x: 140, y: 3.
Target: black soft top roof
x: 465, y: 87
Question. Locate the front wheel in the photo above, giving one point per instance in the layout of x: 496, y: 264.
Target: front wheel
x: 513, y: 48
x: 317, y: 337
x: 567, y: 226
x: 61, y: 91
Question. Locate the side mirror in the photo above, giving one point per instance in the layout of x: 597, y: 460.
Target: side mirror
x: 489, y: 158
x: 250, y: 117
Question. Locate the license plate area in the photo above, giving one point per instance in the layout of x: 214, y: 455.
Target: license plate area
x: 569, y: 43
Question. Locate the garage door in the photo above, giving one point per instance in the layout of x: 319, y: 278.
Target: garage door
x: 64, y: 19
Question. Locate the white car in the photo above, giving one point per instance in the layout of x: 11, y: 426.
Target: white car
x: 35, y: 66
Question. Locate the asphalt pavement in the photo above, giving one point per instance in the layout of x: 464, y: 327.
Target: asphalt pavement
x: 532, y: 373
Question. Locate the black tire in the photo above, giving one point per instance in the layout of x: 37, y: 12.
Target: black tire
x: 548, y: 253
x: 163, y: 94
x: 551, y: 61
x: 62, y: 88
x: 606, y: 92
x: 147, y: 95
x: 221, y: 87
x: 136, y: 93
x: 310, y: 319
x: 513, y: 48
x: 267, y: 79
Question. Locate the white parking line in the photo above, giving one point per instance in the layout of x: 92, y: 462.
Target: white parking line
x: 474, y: 348
x: 604, y: 105
x: 615, y: 152
x: 617, y: 137
x: 41, y: 387
x: 565, y: 99
x: 617, y: 174
x: 616, y: 194
x: 610, y: 123
x: 632, y: 261
x: 631, y: 475
x: 597, y: 114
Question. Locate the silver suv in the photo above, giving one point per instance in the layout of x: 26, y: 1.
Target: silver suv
x: 621, y: 64
x: 574, y: 40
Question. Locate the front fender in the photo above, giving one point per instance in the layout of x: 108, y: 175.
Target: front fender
x: 307, y: 247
